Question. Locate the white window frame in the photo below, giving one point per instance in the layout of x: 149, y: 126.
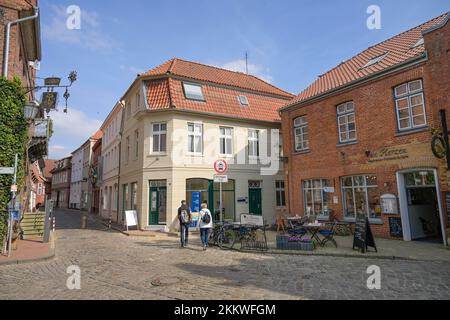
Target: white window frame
x: 343, y: 119
x: 195, y: 135
x: 353, y: 187
x: 408, y: 96
x: 243, y: 100
x: 187, y: 84
x: 304, y: 130
x: 253, y: 140
x: 226, y: 140
x: 311, y: 188
x: 280, y: 191
x: 158, y: 133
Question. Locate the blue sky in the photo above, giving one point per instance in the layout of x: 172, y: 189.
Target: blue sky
x: 289, y: 44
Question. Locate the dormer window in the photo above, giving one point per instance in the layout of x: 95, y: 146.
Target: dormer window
x: 376, y: 60
x: 193, y: 91
x: 243, y: 100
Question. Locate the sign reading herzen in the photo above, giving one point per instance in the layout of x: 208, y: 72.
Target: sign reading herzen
x: 389, y: 154
x: 221, y: 166
x: 363, y: 238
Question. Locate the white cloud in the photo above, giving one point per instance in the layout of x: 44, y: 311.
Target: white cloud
x: 70, y: 131
x: 253, y: 69
x: 89, y: 36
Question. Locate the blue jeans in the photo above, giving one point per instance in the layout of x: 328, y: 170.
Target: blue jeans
x: 204, y: 233
x: 184, y: 234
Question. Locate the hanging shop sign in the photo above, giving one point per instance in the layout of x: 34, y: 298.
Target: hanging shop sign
x: 387, y: 154
x: 439, y: 146
x: 49, y: 100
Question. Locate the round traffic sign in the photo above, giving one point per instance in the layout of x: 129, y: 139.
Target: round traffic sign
x: 221, y: 166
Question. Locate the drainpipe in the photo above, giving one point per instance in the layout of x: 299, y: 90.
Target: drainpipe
x: 122, y: 103
x: 7, y: 40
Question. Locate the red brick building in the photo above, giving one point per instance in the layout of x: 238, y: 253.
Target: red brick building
x: 358, y: 140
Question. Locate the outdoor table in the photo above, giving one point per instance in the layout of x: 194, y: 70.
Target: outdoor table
x: 292, y: 220
x: 313, y: 229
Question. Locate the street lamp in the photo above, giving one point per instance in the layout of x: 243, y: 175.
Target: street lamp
x: 31, y: 110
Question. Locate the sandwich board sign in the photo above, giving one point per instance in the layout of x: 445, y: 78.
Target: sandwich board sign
x: 131, y: 218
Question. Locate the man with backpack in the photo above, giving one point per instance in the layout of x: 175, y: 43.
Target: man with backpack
x: 205, y: 223
x: 185, y: 218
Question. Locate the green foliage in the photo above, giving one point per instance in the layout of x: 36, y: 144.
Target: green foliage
x: 13, y: 137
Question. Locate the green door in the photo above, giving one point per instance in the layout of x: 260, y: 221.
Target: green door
x: 254, y: 203
x: 157, y: 206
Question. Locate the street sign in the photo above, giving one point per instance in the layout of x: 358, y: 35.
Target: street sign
x: 220, y: 178
x: 221, y: 166
x: 14, y: 188
x: 6, y: 170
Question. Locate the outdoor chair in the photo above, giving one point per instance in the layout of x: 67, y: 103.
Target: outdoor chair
x: 328, y: 234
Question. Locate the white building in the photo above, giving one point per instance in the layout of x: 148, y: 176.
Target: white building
x: 76, y: 179
x: 109, y: 191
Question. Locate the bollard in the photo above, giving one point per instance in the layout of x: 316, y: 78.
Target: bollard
x: 84, y: 222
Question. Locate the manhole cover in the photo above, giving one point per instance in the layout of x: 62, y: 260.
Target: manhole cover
x: 166, y: 281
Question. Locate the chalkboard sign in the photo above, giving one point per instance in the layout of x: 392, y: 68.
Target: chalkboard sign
x: 395, y: 227
x: 363, y: 238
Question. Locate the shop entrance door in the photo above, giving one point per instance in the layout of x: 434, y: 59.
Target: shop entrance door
x: 157, y: 206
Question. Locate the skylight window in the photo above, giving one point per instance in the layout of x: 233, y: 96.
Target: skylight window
x: 418, y: 43
x: 243, y: 100
x: 193, y: 91
x: 375, y: 60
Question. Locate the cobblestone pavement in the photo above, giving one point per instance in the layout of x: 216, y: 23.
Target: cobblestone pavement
x: 114, y: 266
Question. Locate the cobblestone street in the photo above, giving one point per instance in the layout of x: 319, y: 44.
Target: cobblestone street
x: 114, y: 266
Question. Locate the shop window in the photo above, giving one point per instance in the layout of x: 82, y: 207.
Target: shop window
x: 134, y: 187
x: 315, y: 198
x: 280, y: 193
x: 361, y: 196
x: 346, y: 122
x: 420, y: 179
x: 410, y: 105
x: 301, y: 134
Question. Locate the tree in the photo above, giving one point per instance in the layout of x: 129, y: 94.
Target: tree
x: 13, y: 139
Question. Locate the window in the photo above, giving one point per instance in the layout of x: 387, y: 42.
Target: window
x: 193, y: 91
x: 315, y: 198
x: 127, y: 155
x: 195, y: 138
x: 159, y: 132
x: 420, y: 179
x: 128, y: 109
x: 136, y: 144
x: 361, y: 196
x: 133, y: 196
x: 39, y: 189
x: 346, y: 122
x: 301, y: 134
x: 243, y: 100
x: 226, y: 141
x: 138, y: 101
x: 375, y: 60
x: 280, y: 193
x: 253, y: 143
x: 410, y: 105
x: 124, y: 199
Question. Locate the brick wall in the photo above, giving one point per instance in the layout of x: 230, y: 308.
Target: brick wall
x: 376, y: 124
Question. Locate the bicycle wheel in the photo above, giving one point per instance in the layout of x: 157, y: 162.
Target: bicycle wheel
x: 226, y: 239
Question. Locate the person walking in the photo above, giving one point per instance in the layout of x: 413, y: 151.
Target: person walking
x: 205, y: 224
x: 185, y: 218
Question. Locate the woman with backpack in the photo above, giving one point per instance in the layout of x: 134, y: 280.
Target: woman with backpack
x: 205, y: 224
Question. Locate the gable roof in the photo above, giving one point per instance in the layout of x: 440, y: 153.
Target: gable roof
x: 202, y: 72
x: 221, y: 89
x: 392, y: 52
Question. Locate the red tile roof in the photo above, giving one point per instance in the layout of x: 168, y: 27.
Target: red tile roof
x: 264, y: 99
x: 202, y: 72
x: 399, y: 49
x: 98, y: 135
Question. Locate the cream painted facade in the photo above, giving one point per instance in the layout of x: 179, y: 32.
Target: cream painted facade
x: 143, y: 170
x: 109, y: 191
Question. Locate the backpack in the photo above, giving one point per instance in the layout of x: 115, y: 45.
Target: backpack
x: 184, y: 216
x: 206, y: 219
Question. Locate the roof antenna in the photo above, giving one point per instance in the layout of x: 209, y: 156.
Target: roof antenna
x: 246, y: 62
